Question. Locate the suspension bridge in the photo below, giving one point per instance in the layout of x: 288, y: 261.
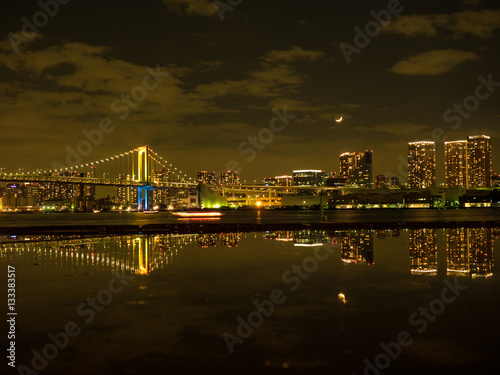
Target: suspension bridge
x: 140, y: 168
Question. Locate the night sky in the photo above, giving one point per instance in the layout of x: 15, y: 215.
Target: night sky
x: 226, y: 76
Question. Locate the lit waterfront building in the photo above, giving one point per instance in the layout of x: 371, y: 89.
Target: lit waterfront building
x: 126, y: 195
x: 160, y: 196
x: 308, y: 177
x: 89, y: 190
x: 362, y: 175
x: 468, y: 162
x: 207, y: 177
x: 19, y: 195
x: 278, y: 181
x: 55, y: 190
x: 284, y: 180
x: 357, y: 168
x: 422, y: 165
x: 479, y: 161
x: 380, y: 181
x: 456, y: 163
x: 423, y: 250
x: 229, y: 178
x: 347, y: 164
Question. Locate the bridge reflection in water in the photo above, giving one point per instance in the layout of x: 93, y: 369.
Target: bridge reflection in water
x: 121, y: 254
x: 469, y: 251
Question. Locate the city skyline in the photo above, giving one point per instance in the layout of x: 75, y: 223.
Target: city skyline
x: 467, y: 163
x: 209, y: 86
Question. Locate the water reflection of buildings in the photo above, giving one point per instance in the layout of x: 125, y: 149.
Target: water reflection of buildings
x: 306, y: 237
x: 470, y: 251
x: 386, y: 233
x: 122, y: 254
x: 230, y: 239
x: 356, y: 246
x: 280, y: 235
x: 423, y: 250
x: 226, y: 239
x: 207, y: 240
x: 309, y: 238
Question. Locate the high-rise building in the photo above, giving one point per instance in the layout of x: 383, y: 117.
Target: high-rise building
x: 357, y: 168
x: 126, y: 195
x: 160, y: 196
x: 468, y: 162
x: 19, y: 195
x: 55, y: 190
x: 479, y: 161
x: 207, y: 177
x: 347, y: 164
x: 363, y: 172
x: 381, y: 181
x: 90, y: 189
x: 422, y: 164
x: 455, y: 163
x: 229, y: 178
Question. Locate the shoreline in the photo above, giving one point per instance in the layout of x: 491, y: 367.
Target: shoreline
x: 211, y: 227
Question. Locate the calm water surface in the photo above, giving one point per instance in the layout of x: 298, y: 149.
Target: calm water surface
x: 181, y: 299
x: 262, y: 216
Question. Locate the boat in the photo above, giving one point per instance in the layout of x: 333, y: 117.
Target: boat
x: 197, y: 214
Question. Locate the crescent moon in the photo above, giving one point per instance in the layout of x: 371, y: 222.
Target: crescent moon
x: 340, y: 119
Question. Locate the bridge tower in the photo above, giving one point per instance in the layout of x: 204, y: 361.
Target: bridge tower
x: 142, y: 164
x: 143, y: 175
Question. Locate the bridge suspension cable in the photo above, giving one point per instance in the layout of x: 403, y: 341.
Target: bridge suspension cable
x: 124, y: 166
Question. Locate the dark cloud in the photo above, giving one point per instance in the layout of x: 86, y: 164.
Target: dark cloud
x: 433, y: 62
x: 226, y: 77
